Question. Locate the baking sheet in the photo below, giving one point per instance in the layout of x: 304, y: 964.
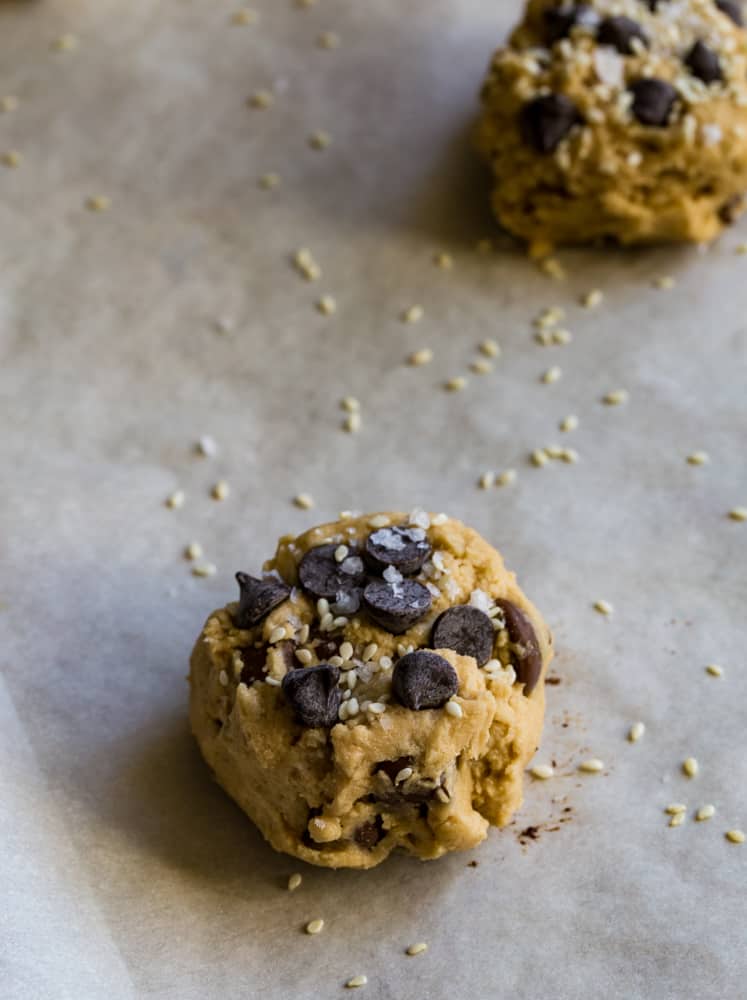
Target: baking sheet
x: 126, y: 872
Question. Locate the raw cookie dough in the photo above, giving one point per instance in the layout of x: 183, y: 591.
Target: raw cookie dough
x: 324, y: 711
x: 622, y: 119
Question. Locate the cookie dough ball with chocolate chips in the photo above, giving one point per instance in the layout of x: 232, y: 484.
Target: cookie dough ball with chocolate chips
x: 618, y: 119
x: 379, y: 687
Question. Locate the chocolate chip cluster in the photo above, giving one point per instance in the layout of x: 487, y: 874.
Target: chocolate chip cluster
x: 376, y: 580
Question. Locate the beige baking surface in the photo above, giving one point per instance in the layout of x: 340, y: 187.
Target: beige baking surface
x: 126, y: 872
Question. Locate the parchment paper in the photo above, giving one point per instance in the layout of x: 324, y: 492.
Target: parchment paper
x: 126, y: 872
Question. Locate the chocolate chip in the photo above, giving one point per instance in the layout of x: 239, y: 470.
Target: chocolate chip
x: 257, y: 598
x: 653, y: 100
x: 391, y: 768
x: 321, y: 575
x: 703, y: 62
x: 370, y: 833
x: 527, y: 661
x: 546, y: 121
x: 560, y: 21
x: 466, y: 630
x: 313, y: 694
x: 414, y: 790
x: 406, y: 548
x: 424, y: 680
x: 254, y: 660
x: 732, y: 9
x: 731, y: 209
x: 396, y: 606
x: 326, y: 648
x: 620, y: 33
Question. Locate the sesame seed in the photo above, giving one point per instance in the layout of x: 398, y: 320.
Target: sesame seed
x: 260, y: 100
x: 294, y: 881
x: 8, y: 103
x: 735, y: 836
x: 443, y: 260
x: 481, y: 367
x: 385, y: 662
x: 306, y: 265
x: 304, y: 656
x: 244, y: 17
x: 676, y: 807
x: 352, y: 423
x: 322, y: 607
x: 454, y: 709
x: 378, y: 521
x: 12, y: 158
x: 269, y: 181
x: 486, y: 480
x: 353, y: 706
x: 327, y: 305
x: 328, y: 40
x: 677, y: 820
x: 65, y: 43
x: 403, y: 775
x: 416, y: 949
x: 542, y: 772
x: 592, y: 299
x: 224, y: 324
x: 350, y: 404
x: 552, y: 375
x: 636, y: 731
x: 690, y: 767
x: 98, y: 203
x: 346, y: 650
x: 303, y: 634
x: 715, y: 670
x: 422, y: 357
x: 698, y: 458
x: 377, y: 708
x: 490, y: 348
x: 549, y: 317
x: 569, y: 455
x: 561, y: 337
x: 340, y: 622
x: 506, y: 478
x: 591, y: 766
x: 370, y: 651
x: 303, y: 500
x: 206, y: 446
x: 704, y: 813
x: 315, y: 926
x: 413, y: 314
x: 221, y: 490
x: 341, y: 553
x: 738, y: 513
x: 356, y: 981
x: 538, y: 457
x: 193, y: 551
x: 204, y: 569
x: 272, y: 681
x: 552, y: 267
x: 603, y: 607
x: 569, y: 423
x: 277, y: 634
x: 320, y: 139
x: 616, y: 397
x: 664, y: 283
x: 176, y: 500
x: 223, y: 678
x: 455, y: 384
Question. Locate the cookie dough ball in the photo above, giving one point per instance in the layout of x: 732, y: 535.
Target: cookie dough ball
x: 380, y: 687
x: 621, y: 119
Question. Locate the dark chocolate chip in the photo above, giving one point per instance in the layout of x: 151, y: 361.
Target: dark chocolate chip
x: 396, y: 606
x: 528, y: 661
x: 369, y: 833
x: 257, y: 598
x: 406, y: 548
x: 313, y: 694
x: 560, y: 21
x: 326, y: 648
x: 391, y: 768
x: 546, y: 121
x: 466, y: 630
x: 653, y: 100
x: 413, y: 791
x: 620, y: 33
x: 704, y: 63
x: 731, y: 209
x: 424, y: 680
x: 254, y: 660
x: 322, y: 576
x: 732, y: 9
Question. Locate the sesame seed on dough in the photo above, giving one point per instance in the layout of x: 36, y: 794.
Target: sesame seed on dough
x: 561, y: 337
x: 454, y: 709
x: 303, y: 500
x: 206, y: 446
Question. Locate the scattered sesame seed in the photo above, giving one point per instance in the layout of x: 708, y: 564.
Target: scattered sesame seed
x: 353, y: 706
x: 341, y: 553
x: 221, y: 490
x: 315, y: 926
x: 454, y: 709
x: 486, y: 480
x: 506, y: 478
x: 346, y: 650
x: 176, y: 500
x: 690, y: 767
x: 542, y: 772
x: 715, y: 670
x: 490, y: 348
x: 376, y: 707
x: 636, y: 731
x: 327, y: 305
x: 223, y: 678
x: 224, y: 324
x: 561, y: 337
x: 549, y: 317
x: 294, y: 881
x: 204, y: 569
x: 443, y: 260
x: 306, y: 265
x: 320, y: 139
x: 277, y: 635
x: 569, y: 423
x: 304, y: 656
x: 12, y: 158
x: 370, y: 651
x: 378, y: 521
x: 455, y: 384
x: 350, y: 404
x: 328, y: 40
x: 735, y: 836
x: 352, y: 423
x: 738, y: 513
x: 676, y: 807
x: 591, y: 766
x: 569, y: 455
x: 98, y: 203
x: 698, y: 458
x: 603, y: 607
x: 538, y: 457
x: 65, y: 43
x: 439, y: 519
x: 413, y: 314
x: 677, y: 820
x: 481, y: 367
x: 193, y: 551
x: 592, y: 299
x: 552, y: 375
x: 244, y: 17
x: 416, y: 949
x: 261, y: 99
x: 422, y: 357
x: 206, y: 446
x: 704, y: 813
x: 664, y: 283
x: 303, y: 500
x: 552, y: 267
x: 8, y: 103
x: 269, y: 181
x: 616, y: 397
x: 356, y: 981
